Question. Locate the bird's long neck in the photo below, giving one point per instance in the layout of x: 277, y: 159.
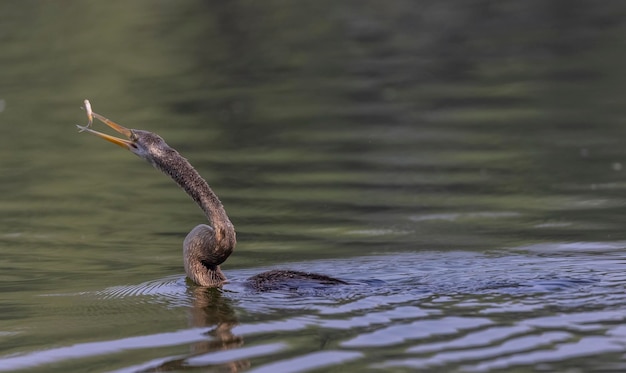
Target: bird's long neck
x: 183, y: 173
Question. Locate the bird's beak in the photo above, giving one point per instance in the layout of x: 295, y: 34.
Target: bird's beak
x: 127, y: 144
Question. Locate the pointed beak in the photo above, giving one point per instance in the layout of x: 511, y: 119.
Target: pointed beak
x: 127, y: 144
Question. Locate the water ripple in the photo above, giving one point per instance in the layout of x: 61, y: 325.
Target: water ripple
x: 417, y: 330
x: 309, y: 362
x: 448, y: 311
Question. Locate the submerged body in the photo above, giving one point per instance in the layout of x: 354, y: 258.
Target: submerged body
x: 206, y: 247
x: 286, y: 279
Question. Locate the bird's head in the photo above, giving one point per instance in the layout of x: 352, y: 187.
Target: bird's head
x: 144, y: 144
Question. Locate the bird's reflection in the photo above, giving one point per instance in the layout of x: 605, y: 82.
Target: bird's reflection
x: 209, y: 309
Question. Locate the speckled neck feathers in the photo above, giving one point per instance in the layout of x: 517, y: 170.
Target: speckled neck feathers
x: 223, y: 240
x: 183, y: 173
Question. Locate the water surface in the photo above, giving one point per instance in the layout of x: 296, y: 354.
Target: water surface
x: 460, y: 163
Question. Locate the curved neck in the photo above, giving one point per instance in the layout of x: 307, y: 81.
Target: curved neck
x: 183, y: 173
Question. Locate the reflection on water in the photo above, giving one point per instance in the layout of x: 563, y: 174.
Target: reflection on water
x: 459, y: 163
x: 454, y: 310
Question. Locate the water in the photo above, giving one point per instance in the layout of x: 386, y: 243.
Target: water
x: 460, y: 163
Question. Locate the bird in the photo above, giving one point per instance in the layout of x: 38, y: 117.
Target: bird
x: 206, y: 246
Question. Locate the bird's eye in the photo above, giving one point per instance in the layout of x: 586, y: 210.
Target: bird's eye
x: 133, y: 136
